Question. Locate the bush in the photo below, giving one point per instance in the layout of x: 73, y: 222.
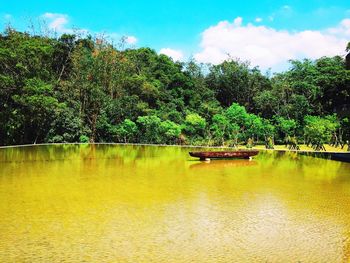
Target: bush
x: 170, y: 131
x: 149, y: 129
x: 319, y: 131
x: 83, y: 139
x: 194, y: 126
x: 127, y: 131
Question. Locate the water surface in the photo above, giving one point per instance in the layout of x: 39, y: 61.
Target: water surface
x: 83, y: 203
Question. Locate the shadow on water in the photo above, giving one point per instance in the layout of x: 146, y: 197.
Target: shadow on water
x: 225, y: 163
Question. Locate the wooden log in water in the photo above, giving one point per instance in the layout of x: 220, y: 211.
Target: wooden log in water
x: 245, y: 154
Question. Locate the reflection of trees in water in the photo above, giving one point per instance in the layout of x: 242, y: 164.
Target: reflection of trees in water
x: 159, y: 156
x: 305, y: 166
x: 40, y: 153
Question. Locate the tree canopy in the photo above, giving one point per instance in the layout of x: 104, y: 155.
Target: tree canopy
x: 71, y: 89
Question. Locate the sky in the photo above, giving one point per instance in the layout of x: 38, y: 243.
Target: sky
x: 267, y: 33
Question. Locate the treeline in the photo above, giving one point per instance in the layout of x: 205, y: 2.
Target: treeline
x: 71, y: 89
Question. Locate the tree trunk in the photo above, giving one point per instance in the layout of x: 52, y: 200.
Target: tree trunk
x: 93, y: 128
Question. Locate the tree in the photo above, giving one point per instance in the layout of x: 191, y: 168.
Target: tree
x: 223, y: 130
x: 237, y: 114
x: 149, y: 129
x: 334, y: 83
x: 170, y: 132
x: 89, y: 81
x: 318, y: 130
x: 62, y: 56
x: 285, y: 127
x: 234, y: 81
x: 220, y: 128
x: 269, y: 132
x: 72, y: 88
x: 66, y: 126
x: 127, y: 131
x: 194, y: 126
x: 38, y: 108
x: 254, y: 127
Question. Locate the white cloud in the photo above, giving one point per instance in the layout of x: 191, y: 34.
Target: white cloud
x: 131, y: 40
x: 269, y: 47
x: 343, y: 29
x: 238, y: 21
x: 57, y: 22
x: 60, y: 24
x: 176, y: 55
x: 258, y: 19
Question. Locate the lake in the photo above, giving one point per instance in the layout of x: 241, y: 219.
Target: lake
x: 115, y: 203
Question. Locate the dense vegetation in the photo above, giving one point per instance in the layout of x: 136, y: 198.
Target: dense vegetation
x: 71, y: 89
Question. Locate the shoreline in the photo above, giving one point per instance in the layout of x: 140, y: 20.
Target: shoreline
x: 258, y: 147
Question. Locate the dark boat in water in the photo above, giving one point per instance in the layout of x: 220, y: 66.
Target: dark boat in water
x: 242, y: 154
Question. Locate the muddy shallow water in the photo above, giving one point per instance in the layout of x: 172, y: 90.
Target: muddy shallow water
x: 100, y: 203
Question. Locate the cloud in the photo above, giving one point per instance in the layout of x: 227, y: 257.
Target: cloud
x: 238, y: 21
x: 258, y: 19
x: 131, y: 40
x: 176, y: 55
x: 269, y: 47
x: 57, y: 22
x: 343, y: 29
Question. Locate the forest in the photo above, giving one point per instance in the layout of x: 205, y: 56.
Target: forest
x: 85, y: 89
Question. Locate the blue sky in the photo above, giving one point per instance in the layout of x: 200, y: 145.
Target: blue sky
x: 206, y: 30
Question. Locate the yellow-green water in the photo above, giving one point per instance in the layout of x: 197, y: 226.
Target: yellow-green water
x: 100, y: 203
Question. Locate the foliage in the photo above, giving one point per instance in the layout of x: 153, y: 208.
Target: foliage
x: 319, y: 131
x: 224, y: 130
x: 84, y: 139
x: 73, y: 89
x: 127, y: 131
x: 286, y: 128
x: 66, y: 127
x: 234, y: 81
x: 149, y: 129
x: 237, y: 114
x: 194, y: 125
x: 38, y: 108
x: 170, y: 132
